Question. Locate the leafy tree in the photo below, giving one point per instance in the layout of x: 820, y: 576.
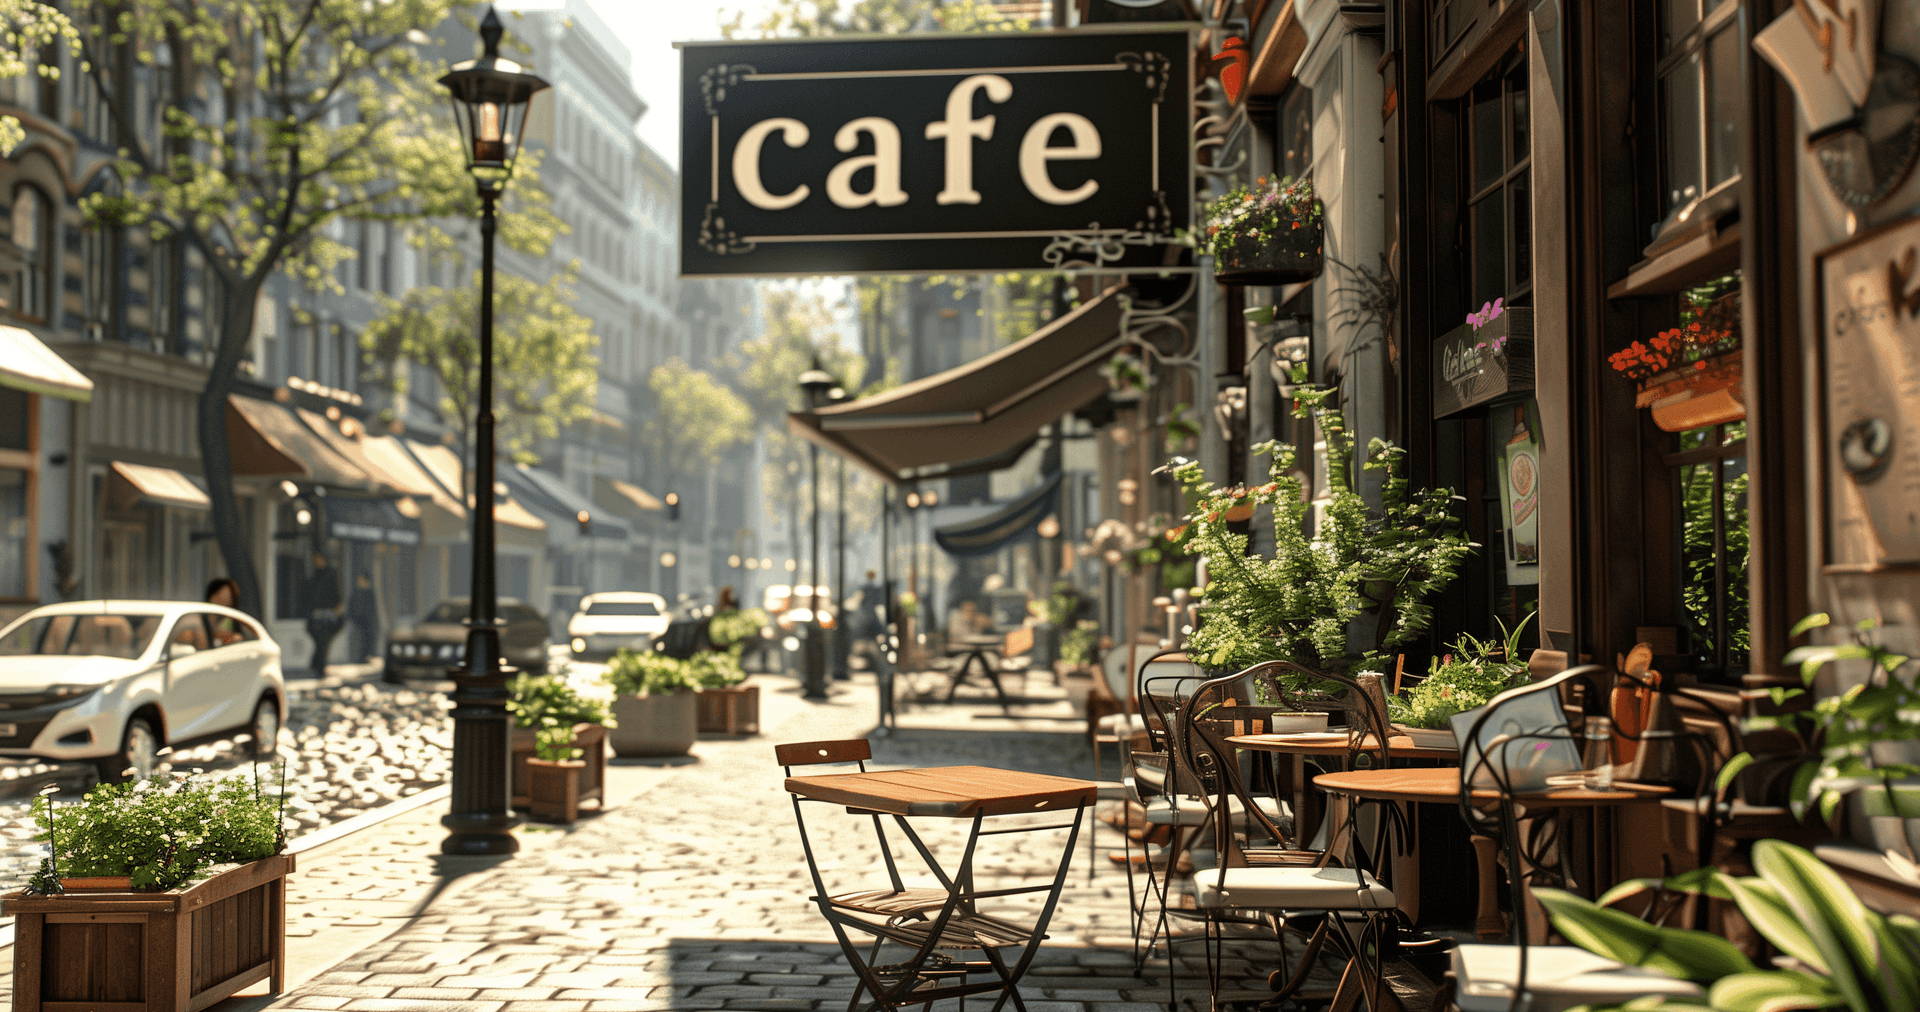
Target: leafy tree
x: 27, y: 29
x: 277, y: 119
x: 695, y: 420
x: 833, y: 17
x: 545, y: 373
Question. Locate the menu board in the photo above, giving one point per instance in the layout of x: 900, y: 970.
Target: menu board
x: 1870, y: 436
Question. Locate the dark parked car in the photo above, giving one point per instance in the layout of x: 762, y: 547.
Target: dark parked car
x: 439, y: 641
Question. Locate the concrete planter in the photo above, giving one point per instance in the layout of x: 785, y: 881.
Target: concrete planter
x: 655, y: 725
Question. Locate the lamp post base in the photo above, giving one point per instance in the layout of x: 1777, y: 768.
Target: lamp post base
x: 479, y: 835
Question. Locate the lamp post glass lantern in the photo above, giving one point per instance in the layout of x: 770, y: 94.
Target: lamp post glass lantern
x: 490, y: 100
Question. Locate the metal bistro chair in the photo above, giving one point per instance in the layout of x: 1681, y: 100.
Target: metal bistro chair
x: 1348, y: 904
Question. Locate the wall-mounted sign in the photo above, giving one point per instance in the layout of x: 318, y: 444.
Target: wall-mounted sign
x: 1869, y: 303
x: 1520, y: 494
x: 1472, y: 365
x: 932, y: 153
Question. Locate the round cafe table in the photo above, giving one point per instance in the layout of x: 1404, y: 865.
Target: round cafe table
x: 1442, y: 786
x: 1325, y: 744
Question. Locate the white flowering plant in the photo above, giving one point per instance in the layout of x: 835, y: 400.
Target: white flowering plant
x: 1271, y: 207
x: 162, y: 832
x: 1475, y: 671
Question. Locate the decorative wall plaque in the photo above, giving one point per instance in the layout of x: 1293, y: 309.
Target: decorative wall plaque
x: 1869, y: 305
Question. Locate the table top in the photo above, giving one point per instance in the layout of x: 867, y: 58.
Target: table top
x: 955, y: 792
x: 1443, y: 784
x: 1317, y: 743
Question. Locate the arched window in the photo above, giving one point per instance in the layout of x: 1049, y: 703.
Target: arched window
x: 33, y: 234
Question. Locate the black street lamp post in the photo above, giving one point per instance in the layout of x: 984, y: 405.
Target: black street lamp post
x: 814, y: 385
x: 841, y: 645
x: 490, y: 98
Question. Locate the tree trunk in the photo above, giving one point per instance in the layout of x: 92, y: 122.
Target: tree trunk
x: 216, y: 459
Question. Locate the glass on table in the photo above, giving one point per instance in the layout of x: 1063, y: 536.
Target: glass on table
x: 1597, y: 758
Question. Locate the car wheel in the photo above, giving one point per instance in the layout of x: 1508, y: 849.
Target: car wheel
x: 139, y: 754
x: 265, y: 727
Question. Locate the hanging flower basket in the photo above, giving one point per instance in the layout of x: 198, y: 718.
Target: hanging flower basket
x: 1267, y: 234
x: 1707, y: 392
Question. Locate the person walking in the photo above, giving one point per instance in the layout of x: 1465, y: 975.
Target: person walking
x: 324, y: 608
x: 363, y: 614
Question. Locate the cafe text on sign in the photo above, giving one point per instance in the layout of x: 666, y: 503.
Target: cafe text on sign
x: 934, y: 153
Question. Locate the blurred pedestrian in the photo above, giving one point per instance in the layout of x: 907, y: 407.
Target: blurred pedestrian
x: 363, y: 614
x: 726, y: 601
x: 324, y: 608
x: 220, y: 629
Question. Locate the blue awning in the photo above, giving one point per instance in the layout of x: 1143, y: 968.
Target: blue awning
x: 1019, y: 520
x: 377, y: 520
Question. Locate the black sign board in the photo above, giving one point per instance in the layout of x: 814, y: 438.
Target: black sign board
x: 934, y: 153
x: 1476, y: 366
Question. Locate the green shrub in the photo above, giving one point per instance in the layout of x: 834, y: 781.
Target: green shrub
x: 537, y: 698
x: 163, y: 832
x: 715, y: 669
x: 553, y: 742
x: 1076, y: 647
x: 730, y: 627
x: 647, y: 673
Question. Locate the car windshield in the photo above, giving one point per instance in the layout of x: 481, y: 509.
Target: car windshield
x: 82, y: 636
x: 448, y: 612
x: 622, y: 608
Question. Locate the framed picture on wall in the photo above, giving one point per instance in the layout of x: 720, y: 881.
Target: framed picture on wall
x: 1867, y: 299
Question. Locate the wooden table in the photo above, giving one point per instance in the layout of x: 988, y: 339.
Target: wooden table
x: 976, y: 648
x: 1442, y: 785
x: 950, y: 792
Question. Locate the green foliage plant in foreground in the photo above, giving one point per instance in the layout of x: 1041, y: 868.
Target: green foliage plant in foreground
x: 714, y: 669
x: 730, y: 627
x: 1837, y: 954
x: 163, y: 832
x: 553, y: 741
x: 1476, y: 671
x: 647, y: 673
x: 1296, y: 606
x: 1843, y: 728
x: 538, y: 698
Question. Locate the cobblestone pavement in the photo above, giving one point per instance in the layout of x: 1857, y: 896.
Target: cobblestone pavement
x: 692, y: 894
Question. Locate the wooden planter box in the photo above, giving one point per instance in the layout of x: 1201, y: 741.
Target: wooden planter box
x: 555, y: 788
x: 662, y: 725
x: 175, y: 951
x: 1293, y: 255
x: 1707, y: 392
x: 732, y: 710
x: 590, y: 739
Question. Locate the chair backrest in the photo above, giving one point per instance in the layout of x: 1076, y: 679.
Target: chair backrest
x: 1368, y: 728
x: 1116, y: 669
x: 815, y: 753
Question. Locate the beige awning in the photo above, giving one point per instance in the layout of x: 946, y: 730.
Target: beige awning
x: 980, y: 411
x: 397, y: 467
x: 26, y: 363
x: 628, y: 500
x: 406, y: 481
x: 162, y: 486
x: 444, y: 465
x: 268, y: 440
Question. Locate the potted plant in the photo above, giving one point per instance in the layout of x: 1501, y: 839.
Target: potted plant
x: 1344, y: 597
x: 1266, y: 234
x: 554, y: 772
x: 1690, y: 375
x: 1127, y: 379
x: 1834, y: 952
x: 1476, y: 671
x: 653, y: 704
x: 189, y: 877
x: 1855, y: 738
x: 1077, y: 648
x: 726, y: 705
x: 541, y: 699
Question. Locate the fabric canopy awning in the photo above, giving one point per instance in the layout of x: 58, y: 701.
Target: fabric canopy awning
x: 375, y: 520
x: 626, y: 499
x: 443, y: 465
x: 26, y: 363
x: 556, y: 502
x: 353, y: 448
x: 268, y: 440
x: 1018, y: 520
x: 982, y: 413
x: 162, y: 486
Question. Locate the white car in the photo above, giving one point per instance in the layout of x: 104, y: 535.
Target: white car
x: 112, y: 682
x: 615, y: 619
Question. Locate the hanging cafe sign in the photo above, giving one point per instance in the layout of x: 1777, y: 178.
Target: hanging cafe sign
x: 934, y: 153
